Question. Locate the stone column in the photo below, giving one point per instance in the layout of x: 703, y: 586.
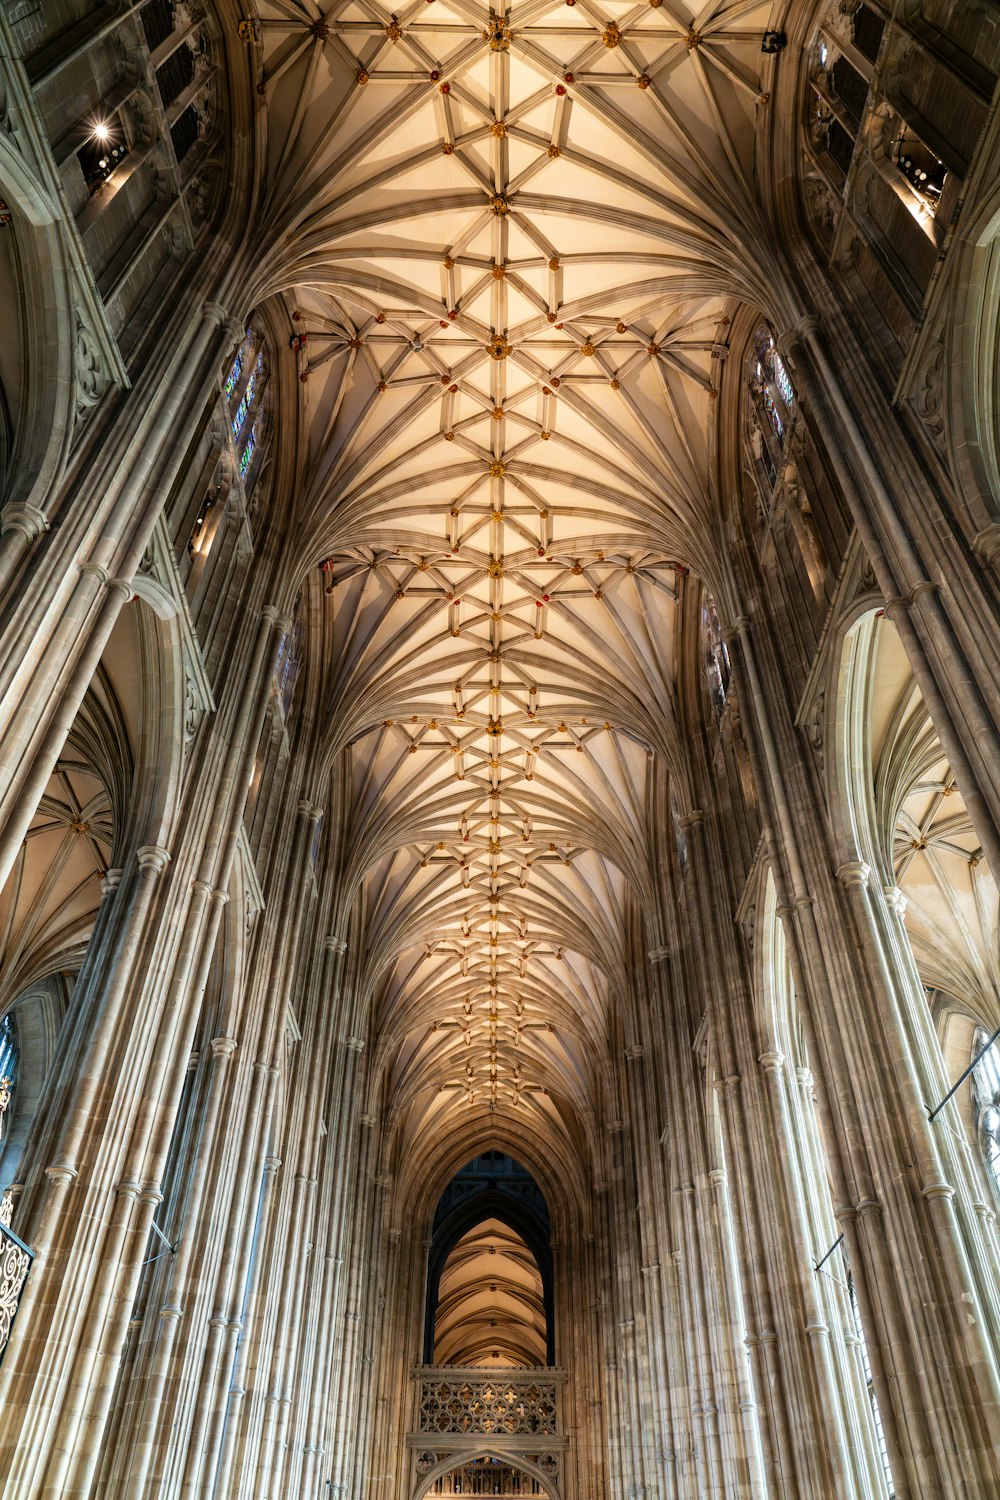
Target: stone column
x: 935, y: 1439
x: 64, y: 644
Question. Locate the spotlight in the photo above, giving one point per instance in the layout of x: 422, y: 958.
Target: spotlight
x: 101, y: 131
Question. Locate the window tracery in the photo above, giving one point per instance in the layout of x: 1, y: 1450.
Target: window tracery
x: 986, y: 1098
x: 718, y: 669
x: 866, y: 1369
x: 246, y: 388
x: 286, y: 670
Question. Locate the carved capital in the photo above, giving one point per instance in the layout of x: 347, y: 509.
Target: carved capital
x: 223, y: 1046
x: 222, y: 318
x: 24, y: 519
x: 853, y: 872
x: 896, y: 606
x: 932, y: 1190
x: 61, y: 1172
x: 896, y: 898
x: 986, y: 545
x: 153, y: 857
x: 273, y: 615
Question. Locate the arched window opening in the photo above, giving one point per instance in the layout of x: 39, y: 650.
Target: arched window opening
x: 246, y: 388
x: 866, y: 1367
x: 806, y: 1151
x: 680, y: 836
x: 286, y: 671
x: 772, y: 402
x: 489, y: 1290
x: 718, y: 669
x: 986, y: 1096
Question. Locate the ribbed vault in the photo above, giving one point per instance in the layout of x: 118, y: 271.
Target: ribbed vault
x: 508, y: 243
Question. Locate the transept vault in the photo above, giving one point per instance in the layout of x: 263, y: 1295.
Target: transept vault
x: 499, y: 750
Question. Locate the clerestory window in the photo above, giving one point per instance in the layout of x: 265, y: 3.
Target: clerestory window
x: 986, y: 1100
x: 246, y: 388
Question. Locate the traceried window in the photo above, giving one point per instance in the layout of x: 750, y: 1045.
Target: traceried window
x: 986, y: 1098
x: 289, y: 660
x: 246, y: 388
x: 771, y: 404
x: 233, y: 378
x: 246, y: 401
x: 716, y: 656
x: 883, y: 1448
x: 772, y: 395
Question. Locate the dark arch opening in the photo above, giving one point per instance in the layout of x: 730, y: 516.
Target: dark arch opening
x: 491, y: 1186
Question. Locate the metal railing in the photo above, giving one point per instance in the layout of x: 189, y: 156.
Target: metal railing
x: 15, y: 1263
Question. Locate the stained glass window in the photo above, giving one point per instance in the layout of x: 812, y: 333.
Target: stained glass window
x: 247, y: 406
x: 772, y: 398
x: 782, y: 380
x: 772, y: 414
x: 234, y: 375
x: 246, y: 402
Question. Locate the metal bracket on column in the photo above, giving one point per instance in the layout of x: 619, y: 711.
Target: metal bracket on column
x: 170, y: 1250
x: 932, y: 1114
x: 819, y: 1264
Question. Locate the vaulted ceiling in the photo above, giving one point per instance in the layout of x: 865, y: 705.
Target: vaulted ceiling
x: 510, y: 242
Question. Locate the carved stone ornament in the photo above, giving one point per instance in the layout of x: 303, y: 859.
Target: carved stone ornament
x: 867, y: 582
x: 193, y: 708
x: 816, y: 727
x: 822, y: 206
x: 91, y: 376
x: 928, y: 399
